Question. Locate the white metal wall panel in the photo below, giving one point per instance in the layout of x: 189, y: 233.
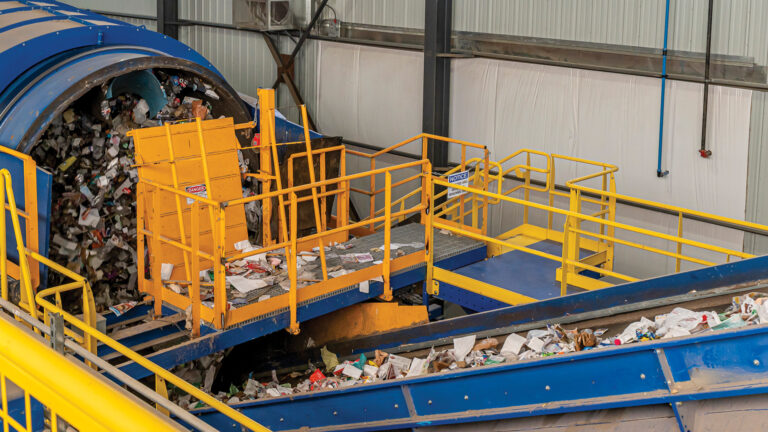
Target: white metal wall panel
x: 136, y: 7
x: 242, y: 57
x: 757, y: 189
x: 218, y: 11
x: 738, y: 25
x: 393, y: 13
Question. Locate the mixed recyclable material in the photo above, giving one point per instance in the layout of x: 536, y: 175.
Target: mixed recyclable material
x: 93, y: 215
x: 471, y: 352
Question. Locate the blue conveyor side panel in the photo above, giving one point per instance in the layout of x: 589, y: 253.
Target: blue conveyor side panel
x: 731, y: 363
x: 626, y: 295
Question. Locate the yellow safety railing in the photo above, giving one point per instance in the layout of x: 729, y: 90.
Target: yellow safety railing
x: 571, y: 265
x: 31, y: 370
x: 32, y: 379
x: 290, y: 241
x: 29, y: 169
x: 162, y: 376
x: 424, y: 138
x: 606, y: 232
x: 220, y: 315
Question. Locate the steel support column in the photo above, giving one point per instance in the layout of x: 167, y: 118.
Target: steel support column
x: 437, y: 76
x: 168, y: 18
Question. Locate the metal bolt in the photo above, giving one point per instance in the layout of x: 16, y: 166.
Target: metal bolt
x: 335, y: 413
x: 396, y: 406
x: 466, y: 397
x: 546, y: 388
x: 678, y: 403
x: 282, y: 419
x: 642, y: 376
x: 658, y: 351
x: 429, y: 402
x: 756, y: 362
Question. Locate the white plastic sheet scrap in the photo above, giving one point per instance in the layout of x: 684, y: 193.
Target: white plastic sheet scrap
x: 166, y: 270
x: 396, y: 246
x: 513, y: 344
x: 463, y: 346
x: 245, y: 285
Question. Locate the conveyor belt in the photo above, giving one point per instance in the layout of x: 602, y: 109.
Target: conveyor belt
x: 673, y: 374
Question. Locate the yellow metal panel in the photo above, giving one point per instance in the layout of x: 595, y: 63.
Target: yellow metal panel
x: 153, y: 159
x: 363, y: 319
x: 479, y: 287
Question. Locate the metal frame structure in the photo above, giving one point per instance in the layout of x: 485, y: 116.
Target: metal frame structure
x: 36, y: 380
x: 574, y: 270
x: 676, y: 372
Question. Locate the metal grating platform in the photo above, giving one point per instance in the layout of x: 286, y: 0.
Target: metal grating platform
x: 446, y: 246
x: 451, y: 252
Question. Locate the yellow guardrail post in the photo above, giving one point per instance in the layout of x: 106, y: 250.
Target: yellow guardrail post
x: 156, y: 256
x: 25, y: 283
x: 429, y: 247
x: 679, y: 245
x: 611, y: 230
x: 292, y: 254
x: 387, y: 294
x: 266, y: 104
x: 318, y: 216
x: 220, y: 274
x: 3, y: 245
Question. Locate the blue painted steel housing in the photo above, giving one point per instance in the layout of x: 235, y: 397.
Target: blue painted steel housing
x: 51, y: 54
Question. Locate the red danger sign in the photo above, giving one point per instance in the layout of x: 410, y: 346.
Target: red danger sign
x: 198, y: 190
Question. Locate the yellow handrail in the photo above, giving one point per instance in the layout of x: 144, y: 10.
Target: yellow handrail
x: 571, y: 264
x: 150, y: 366
x: 78, y: 406
x: 69, y: 391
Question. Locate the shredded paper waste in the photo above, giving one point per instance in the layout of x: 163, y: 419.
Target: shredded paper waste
x: 470, y: 352
x: 91, y: 159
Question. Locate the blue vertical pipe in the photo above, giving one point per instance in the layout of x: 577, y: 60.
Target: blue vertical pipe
x: 659, y: 172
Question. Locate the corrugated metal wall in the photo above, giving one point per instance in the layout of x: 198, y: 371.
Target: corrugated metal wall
x: 392, y: 13
x: 738, y: 25
x: 757, y: 172
x: 242, y: 57
x: 135, y: 7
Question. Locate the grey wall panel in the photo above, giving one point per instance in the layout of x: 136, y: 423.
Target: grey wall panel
x: 393, y: 13
x: 218, y: 11
x: 137, y: 7
x: 757, y: 189
x: 738, y: 27
x: 242, y: 57
x: 150, y: 24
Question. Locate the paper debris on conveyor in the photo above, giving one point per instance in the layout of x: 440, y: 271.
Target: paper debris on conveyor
x: 471, y: 352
